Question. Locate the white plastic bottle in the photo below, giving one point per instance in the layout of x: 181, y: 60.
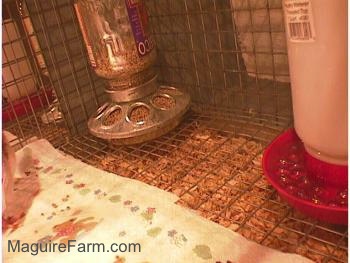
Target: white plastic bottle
x: 317, y: 50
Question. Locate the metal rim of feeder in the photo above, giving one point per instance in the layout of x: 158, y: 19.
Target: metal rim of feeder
x: 108, y: 113
x: 134, y: 92
x: 163, y: 95
x: 132, y: 108
x: 100, y: 111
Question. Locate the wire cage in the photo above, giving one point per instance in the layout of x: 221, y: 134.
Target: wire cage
x: 230, y: 55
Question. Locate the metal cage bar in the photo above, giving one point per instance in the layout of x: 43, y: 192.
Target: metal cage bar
x: 217, y: 51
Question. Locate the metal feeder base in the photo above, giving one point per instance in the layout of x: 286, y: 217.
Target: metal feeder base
x: 125, y: 129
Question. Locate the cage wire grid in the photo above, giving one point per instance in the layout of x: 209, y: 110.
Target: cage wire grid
x: 231, y: 57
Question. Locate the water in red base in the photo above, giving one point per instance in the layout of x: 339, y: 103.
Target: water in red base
x: 315, y: 188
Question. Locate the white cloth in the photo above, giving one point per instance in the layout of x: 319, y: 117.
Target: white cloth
x: 106, y: 208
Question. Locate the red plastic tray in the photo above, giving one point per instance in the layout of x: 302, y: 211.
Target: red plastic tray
x: 22, y: 107
x: 315, y: 188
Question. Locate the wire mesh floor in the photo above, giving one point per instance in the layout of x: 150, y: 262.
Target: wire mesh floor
x: 212, y: 162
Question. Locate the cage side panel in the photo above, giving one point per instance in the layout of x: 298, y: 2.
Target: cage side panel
x: 229, y: 53
x: 78, y: 89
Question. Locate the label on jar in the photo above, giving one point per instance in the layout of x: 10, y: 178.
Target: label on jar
x: 86, y: 40
x: 139, y: 24
x: 299, y: 20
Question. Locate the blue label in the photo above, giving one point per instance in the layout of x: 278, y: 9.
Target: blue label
x: 139, y: 23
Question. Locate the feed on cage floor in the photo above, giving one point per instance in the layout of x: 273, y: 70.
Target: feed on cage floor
x: 220, y: 177
x: 163, y: 102
x: 112, y: 117
x: 188, y: 168
x: 139, y: 114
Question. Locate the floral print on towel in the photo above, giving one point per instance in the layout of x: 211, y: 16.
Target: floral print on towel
x: 176, y: 238
x: 148, y: 214
x: 70, y: 229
